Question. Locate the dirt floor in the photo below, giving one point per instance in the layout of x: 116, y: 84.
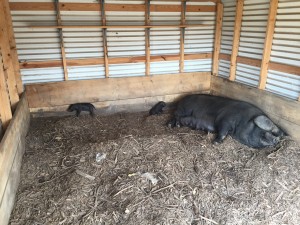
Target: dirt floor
x: 147, y: 173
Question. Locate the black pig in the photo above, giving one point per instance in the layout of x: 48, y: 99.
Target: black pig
x: 157, y: 108
x: 78, y: 107
x: 243, y: 121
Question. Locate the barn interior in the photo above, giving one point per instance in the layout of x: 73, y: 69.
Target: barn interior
x: 123, y: 166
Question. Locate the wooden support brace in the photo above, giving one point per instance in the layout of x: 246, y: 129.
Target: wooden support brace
x: 268, y: 44
x: 104, y: 37
x: 147, y: 36
x: 8, y: 65
x: 13, y: 47
x: 182, y: 34
x: 61, y: 36
x: 5, y: 110
x: 218, y: 35
x: 236, y: 38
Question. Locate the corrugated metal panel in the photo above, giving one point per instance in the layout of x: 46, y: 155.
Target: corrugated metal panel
x: 42, y: 75
x: 283, y: 84
x: 203, y: 65
x: 227, y: 35
x: 86, y: 72
x: 253, y: 32
x: 164, y: 67
x: 286, y: 49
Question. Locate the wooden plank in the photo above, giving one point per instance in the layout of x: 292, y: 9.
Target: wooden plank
x: 285, y: 112
x: 48, y: 6
x: 218, y: 35
x: 295, y: 70
x: 100, y: 61
x: 236, y: 38
x: 182, y: 34
x: 147, y: 36
x: 13, y: 46
x: 61, y: 38
x: 9, y: 149
x: 249, y: 61
x: 5, y: 110
x: 121, y: 26
x: 49, y: 94
x: 225, y: 57
x: 104, y: 38
x: 7, y: 59
x: 9, y: 195
x: 268, y: 44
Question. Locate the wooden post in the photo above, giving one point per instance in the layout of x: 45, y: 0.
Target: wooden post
x: 8, y: 65
x: 268, y: 44
x: 5, y: 110
x: 182, y: 34
x: 218, y: 35
x: 104, y: 30
x: 147, y: 36
x: 61, y: 37
x: 12, y: 45
x: 236, y: 38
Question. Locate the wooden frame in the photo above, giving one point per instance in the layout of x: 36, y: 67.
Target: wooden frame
x: 218, y: 35
x: 236, y: 38
x: 182, y: 36
x: 104, y: 31
x: 147, y: 37
x: 268, y: 44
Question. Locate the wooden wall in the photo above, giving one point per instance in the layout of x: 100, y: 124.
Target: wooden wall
x: 12, y: 147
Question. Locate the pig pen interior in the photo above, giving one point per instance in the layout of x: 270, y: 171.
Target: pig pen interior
x: 124, y: 57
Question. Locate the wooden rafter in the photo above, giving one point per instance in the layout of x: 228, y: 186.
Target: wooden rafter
x: 218, y: 35
x: 61, y: 37
x: 236, y: 38
x: 268, y: 44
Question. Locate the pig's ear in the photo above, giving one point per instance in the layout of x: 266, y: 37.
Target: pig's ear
x: 264, y: 123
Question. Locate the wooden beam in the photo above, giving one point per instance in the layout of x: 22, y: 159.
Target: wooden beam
x: 7, y: 59
x: 122, y: 26
x: 225, y: 57
x: 147, y: 36
x: 5, y: 110
x: 12, y: 147
x: 48, y: 6
x: 104, y: 38
x: 295, y: 70
x: 268, y: 44
x: 12, y: 45
x: 100, y: 61
x: 112, y: 89
x: 61, y: 37
x: 236, y: 38
x: 182, y: 34
x: 218, y: 35
x: 249, y: 61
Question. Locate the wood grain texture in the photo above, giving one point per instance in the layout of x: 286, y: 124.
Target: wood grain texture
x: 268, y: 44
x: 283, y: 111
x: 218, y: 36
x: 11, y: 150
x: 49, y: 94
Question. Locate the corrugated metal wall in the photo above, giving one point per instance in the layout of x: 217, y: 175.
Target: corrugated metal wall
x: 43, y: 44
x: 227, y: 35
x: 285, y: 48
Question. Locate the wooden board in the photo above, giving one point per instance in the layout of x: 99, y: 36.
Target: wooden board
x: 50, y: 94
x: 48, y: 6
x: 13, y: 46
x: 285, y: 112
x: 11, y: 150
x: 236, y: 38
x: 218, y: 35
x: 147, y: 37
x: 5, y: 109
x: 268, y: 44
x: 182, y: 36
x: 100, y: 61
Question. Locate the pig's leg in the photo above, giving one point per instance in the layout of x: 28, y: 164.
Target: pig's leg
x: 78, y: 111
